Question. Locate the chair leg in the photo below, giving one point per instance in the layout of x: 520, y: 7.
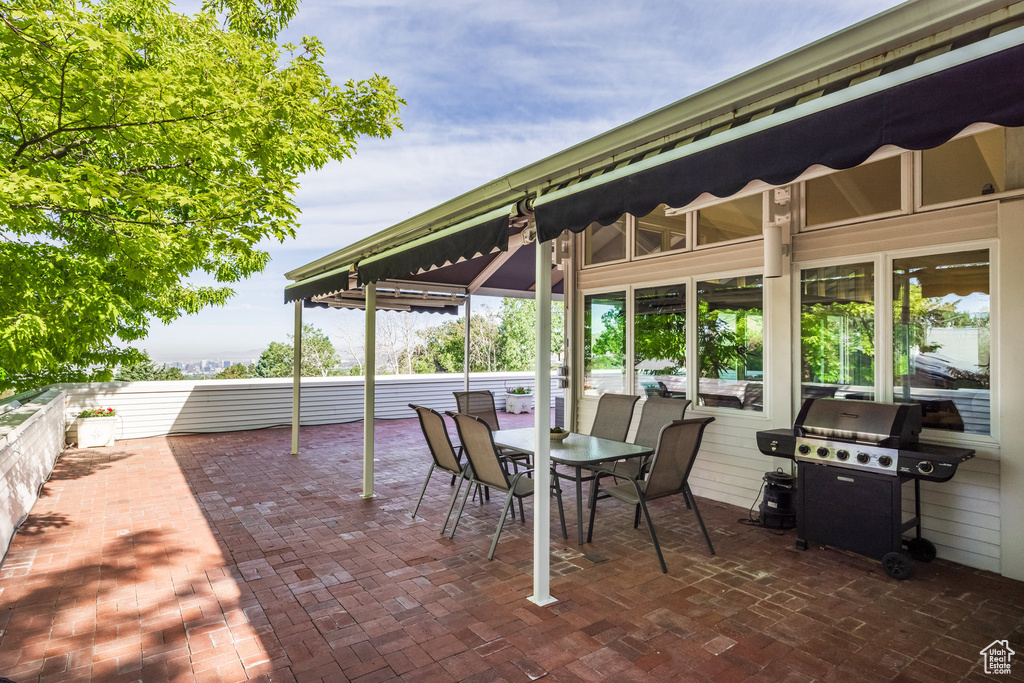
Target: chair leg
x: 462, y: 507
x: 424, y: 490
x: 451, y: 505
x: 654, y: 536
x: 593, y: 507
x: 636, y: 517
x: 558, y: 497
x: 687, y: 493
x: 522, y: 515
x: 501, y: 523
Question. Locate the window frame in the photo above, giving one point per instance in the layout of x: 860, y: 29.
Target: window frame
x: 884, y: 329
x: 690, y: 235
x: 907, y: 200
x: 692, y: 381
x: 628, y: 236
x: 918, y: 189
x: 580, y: 338
x: 695, y: 206
x: 876, y: 261
x: 686, y: 282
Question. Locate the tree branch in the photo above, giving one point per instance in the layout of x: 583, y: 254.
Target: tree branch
x: 21, y: 34
x: 125, y: 221
x: 106, y: 127
x: 62, y: 151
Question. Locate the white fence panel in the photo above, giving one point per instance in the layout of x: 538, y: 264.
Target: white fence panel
x: 188, y: 407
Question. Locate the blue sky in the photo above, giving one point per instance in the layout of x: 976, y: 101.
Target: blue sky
x: 490, y: 87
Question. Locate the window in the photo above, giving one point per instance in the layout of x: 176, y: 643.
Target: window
x: 941, y: 339
x: 659, y: 341
x: 659, y: 231
x: 604, y: 243
x: 730, y: 343
x: 837, y: 332
x: 604, y: 343
x: 861, y: 191
x: 973, y: 166
x: 733, y: 220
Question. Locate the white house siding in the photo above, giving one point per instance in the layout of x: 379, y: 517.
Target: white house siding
x: 966, y: 518
x: 31, y: 438
x: 186, y: 407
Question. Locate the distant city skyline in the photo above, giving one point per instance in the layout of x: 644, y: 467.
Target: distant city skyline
x: 490, y: 88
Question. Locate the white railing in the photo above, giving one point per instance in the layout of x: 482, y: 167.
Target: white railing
x: 186, y: 407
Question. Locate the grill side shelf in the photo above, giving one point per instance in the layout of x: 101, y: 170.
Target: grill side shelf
x: 932, y: 462
x: 779, y: 443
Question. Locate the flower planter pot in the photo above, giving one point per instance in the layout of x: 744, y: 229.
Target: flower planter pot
x: 93, y: 431
x: 518, y: 403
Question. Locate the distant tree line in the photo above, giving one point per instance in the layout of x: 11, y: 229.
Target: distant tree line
x: 502, y: 341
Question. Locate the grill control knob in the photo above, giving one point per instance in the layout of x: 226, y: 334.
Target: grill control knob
x: 822, y: 452
x: 863, y: 458
x: 884, y: 461
x: 925, y: 467
x: 843, y: 455
x: 804, y: 449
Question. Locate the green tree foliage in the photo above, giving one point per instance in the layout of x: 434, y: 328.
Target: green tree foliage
x: 275, y: 361
x: 837, y: 342
x: 661, y: 337
x: 517, y: 339
x: 729, y: 341
x: 236, y: 371
x: 139, y: 147
x: 443, y: 348
x: 319, y: 357
x: 147, y: 371
x: 501, y: 342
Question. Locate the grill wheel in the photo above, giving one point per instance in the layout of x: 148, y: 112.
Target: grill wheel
x: 897, y: 565
x: 921, y: 549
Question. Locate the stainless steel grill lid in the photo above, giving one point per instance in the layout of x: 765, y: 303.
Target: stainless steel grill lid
x: 867, y: 422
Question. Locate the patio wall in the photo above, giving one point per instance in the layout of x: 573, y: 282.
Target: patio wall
x: 184, y: 407
x: 31, y: 438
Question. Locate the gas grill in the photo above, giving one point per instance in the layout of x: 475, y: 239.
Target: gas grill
x: 853, y: 458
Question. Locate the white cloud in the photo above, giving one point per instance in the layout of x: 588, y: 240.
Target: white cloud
x: 492, y: 87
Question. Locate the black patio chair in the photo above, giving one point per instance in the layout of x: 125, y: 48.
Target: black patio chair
x: 655, y: 414
x: 668, y: 475
x: 614, y: 415
x: 441, y: 450
x: 485, y: 467
x: 481, y: 404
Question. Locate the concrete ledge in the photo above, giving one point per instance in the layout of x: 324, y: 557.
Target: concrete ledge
x: 31, y: 439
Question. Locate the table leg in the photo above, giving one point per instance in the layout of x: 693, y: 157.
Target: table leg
x: 579, y: 505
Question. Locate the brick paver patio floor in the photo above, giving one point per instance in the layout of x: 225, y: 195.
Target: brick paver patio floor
x: 222, y: 557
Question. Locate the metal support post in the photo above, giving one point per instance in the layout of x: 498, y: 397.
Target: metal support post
x: 369, y: 387
x: 542, y: 427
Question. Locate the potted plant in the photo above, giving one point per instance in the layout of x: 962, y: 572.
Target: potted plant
x: 518, y: 400
x: 94, y: 427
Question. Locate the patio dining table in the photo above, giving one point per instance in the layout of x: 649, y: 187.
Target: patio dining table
x: 577, y: 451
